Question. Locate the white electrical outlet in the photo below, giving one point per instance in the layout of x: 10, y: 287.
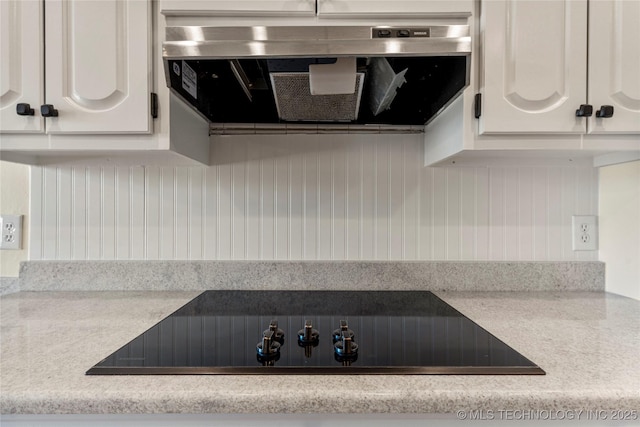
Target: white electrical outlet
x: 585, y: 232
x: 11, y: 230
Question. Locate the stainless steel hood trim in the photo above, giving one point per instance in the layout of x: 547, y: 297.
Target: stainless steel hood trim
x: 292, y: 42
x: 297, y: 33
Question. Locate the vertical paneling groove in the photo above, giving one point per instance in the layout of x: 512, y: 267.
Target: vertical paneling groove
x: 117, y: 225
x: 477, y: 226
x: 58, y: 239
x: 64, y: 205
x: 195, y: 217
x: 288, y: 193
x: 389, y: 254
x: 296, y: 162
x: 347, y: 216
x: 305, y: 212
x: 78, y: 207
x: 432, y: 211
x: 110, y: 208
x: 210, y: 207
x: 440, y: 222
x: 252, y: 203
x: 37, y: 213
x: 375, y: 202
x: 145, y: 220
x: 247, y: 211
x: 181, y: 211
x: 218, y: 210
x: 361, y: 213
x: 203, y: 212
x: 72, y: 214
x: 482, y: 206
x: 130, y: 213
x: 332, y: 225
x: 368, y: 199
x: 50, y: 226
x: 318, y: 231
x: 406, y: 202
x: 103, y: 229
x: 446, y: 218
x: 339, y: 201
x: 368, y: 216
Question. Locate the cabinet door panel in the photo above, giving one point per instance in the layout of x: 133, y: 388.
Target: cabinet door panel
x: 21, y: 79
x: 97, y: 61
x: 534, y: 66
x: 614, y: 64
x: 397, y: 8
x: 239, y: 7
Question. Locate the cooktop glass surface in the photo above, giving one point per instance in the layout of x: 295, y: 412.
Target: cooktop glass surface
x: 316, y: 332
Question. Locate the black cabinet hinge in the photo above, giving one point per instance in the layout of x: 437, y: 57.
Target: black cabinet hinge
x: 477, y: 105
x: 154, y: 105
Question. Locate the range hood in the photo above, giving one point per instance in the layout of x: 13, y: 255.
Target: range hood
x: 317, y: 79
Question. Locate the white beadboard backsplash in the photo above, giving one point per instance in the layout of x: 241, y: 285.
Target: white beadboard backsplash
x: 306, y: 199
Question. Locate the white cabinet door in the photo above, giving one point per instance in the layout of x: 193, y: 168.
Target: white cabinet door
x: 21, y: 79
x: 534, y: 66
x: 239, y: 7
x: 98, y: 65
x: 614, y: 64
x: 394, y: 8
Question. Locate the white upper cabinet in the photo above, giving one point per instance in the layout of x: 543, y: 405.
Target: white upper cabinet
x: 21, y: 80
x: 96, y: 66
x: 614, y: 65
x: 534, y: 66
x: 394, y: 8
x: 239, y: 7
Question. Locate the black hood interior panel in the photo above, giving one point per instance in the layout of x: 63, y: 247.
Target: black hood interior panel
x: 431, y: 83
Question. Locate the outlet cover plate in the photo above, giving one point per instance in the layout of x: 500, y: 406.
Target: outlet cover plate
x: 11, y: 232
x: 584, y: 232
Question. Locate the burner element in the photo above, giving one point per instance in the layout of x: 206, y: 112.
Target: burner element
x: 344, y: 328
x: 269, y: 349
x: 308, y: 338
x: 278, y: 334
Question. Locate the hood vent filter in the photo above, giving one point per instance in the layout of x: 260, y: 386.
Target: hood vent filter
x: 294, y: 101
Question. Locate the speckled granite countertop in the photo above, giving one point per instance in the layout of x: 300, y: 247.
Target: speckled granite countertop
x: 587, y: 342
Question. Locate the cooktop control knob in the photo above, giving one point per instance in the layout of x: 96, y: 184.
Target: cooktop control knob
x: 268, y: 349
x: 337, y: 334
x: 308, y: 338
x: 308, y: 335
x: 278, y: 334
x: 346, y: 351
x: 345, y: 347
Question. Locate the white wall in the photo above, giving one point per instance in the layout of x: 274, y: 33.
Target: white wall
x: 304, y: 198
x: 620, y: 227
x: 14, y: 200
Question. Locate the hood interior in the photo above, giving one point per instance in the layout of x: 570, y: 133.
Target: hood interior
x: 402, y: 90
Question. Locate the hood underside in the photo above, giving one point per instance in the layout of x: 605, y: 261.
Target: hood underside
x: 318, y: 79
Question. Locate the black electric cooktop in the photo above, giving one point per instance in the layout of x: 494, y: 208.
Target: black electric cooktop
x: 316, y: 332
